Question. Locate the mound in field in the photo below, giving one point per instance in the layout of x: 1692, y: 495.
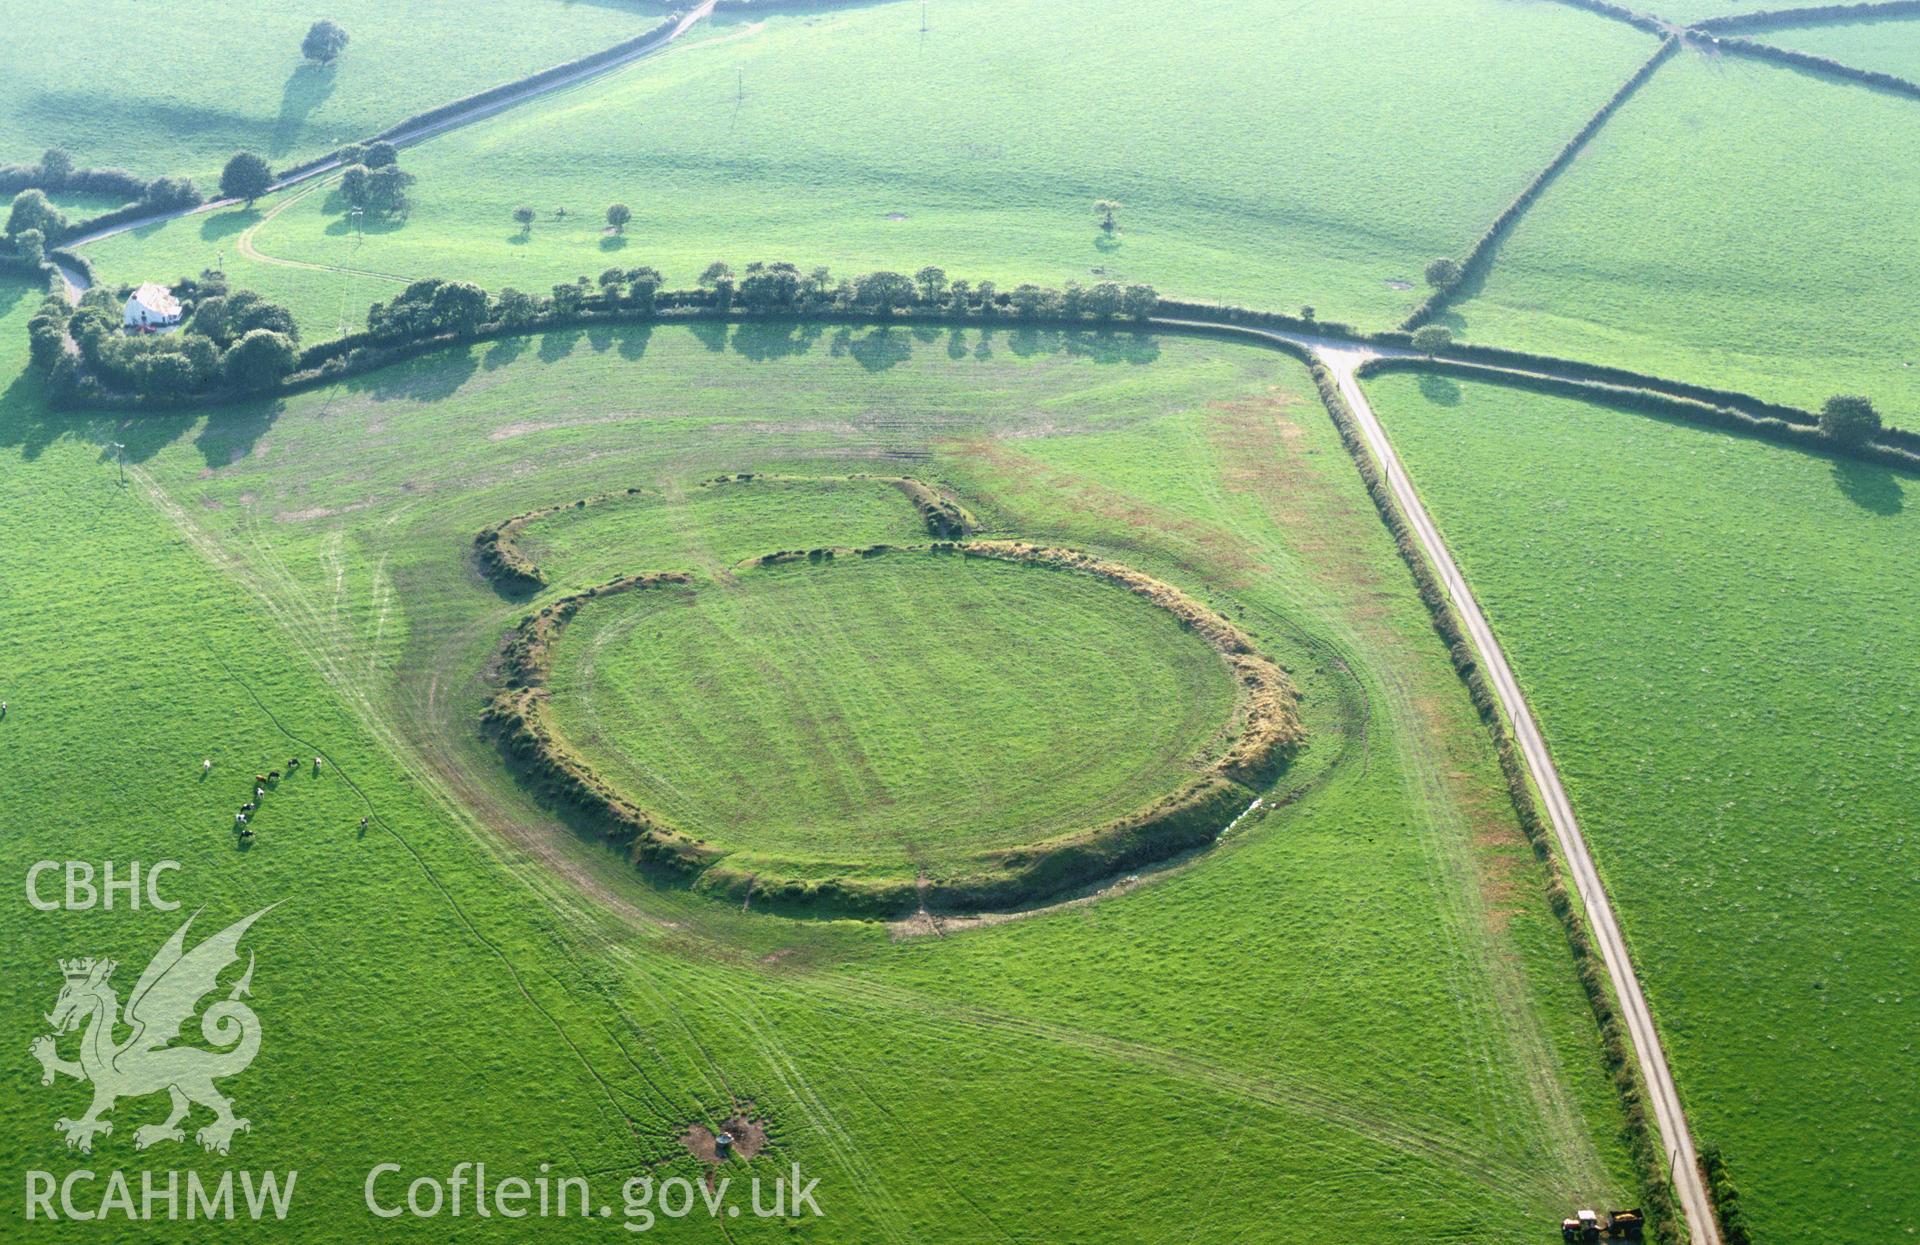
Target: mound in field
x: 969, y: 725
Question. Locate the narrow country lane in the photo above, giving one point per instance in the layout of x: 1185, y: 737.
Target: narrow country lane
x: 1668, y: 1114
x: 76, y: 278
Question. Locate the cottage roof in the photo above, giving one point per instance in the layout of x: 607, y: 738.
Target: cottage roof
x: 156, y: 299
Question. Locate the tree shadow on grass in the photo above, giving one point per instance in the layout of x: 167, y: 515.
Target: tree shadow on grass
x: 1869, y: 486
x: 231, y: 432
x: 217, y: 225
x: 711, y: 333
x: 429, y: 379
x: 504, y: 351
x: 1110, y: 346
x: 305, y: 90
x: 614, y: 242
x: 1439, y: 390
x: 764, y: 340
x: 30, y: 425
x: 558, y: 344
x: 25, y: 420
x: 371, y: 223
x: 633, y: 342
x: 878, y: 350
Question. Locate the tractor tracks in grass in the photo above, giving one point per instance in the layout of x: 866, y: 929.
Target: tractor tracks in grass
x: 1429, y: 1141
x: 375, y: 816
x: 320, y: 651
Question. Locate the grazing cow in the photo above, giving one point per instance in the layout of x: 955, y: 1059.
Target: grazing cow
x: 274, y: 774
x: 259, y: 778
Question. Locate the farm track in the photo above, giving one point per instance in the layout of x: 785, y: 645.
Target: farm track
x: 1669, y: 1113
x: 244, y: 244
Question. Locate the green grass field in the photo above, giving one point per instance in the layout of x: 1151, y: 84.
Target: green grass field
x: 902, y: 711
x: 1700, y: 10
x: 1403, y: 1015
x: 1716, y: 634
x: 1699, y: 237
x: 846, y: 138
x: 1354, y: 1017
x: 168, y: 91
x: 1887, y: 46
x: 708, y: 528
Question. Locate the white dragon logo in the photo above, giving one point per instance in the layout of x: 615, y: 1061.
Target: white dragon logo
x: 146, y: 1062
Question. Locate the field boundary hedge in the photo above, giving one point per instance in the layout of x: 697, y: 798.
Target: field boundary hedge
x: 402, y: 130
x: 1726, y: 1197
x: 1816, y: 64
x: 1818, y: 15
x: 356, y: 354
x: 1474, y: 267
x: 1266, y: 710
x: 1646, y: 401
x: 1656, y: 1194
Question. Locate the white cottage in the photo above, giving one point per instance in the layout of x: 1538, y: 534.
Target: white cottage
x: 151, y: 307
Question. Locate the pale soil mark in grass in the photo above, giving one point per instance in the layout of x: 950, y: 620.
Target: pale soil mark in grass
x: 1259, y: 453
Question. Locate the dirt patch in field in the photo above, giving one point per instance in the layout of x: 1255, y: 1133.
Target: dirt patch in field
x: 1263, y: 450
x: 316, y: 512
x: 1398, y: 283
x: 509, y: 431
x: 749, y: 1138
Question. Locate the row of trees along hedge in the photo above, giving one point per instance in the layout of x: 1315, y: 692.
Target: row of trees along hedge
x: 234, y: 341
x: 1847, y: 424
x: 1730, y: 408
x: 1817, y: 15
x: 435, y: 308
x: 1818, y: 64
x: 246, y: 345
x: 28, y: 183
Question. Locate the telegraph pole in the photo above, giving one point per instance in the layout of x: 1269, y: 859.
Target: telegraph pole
x: 120, y: 458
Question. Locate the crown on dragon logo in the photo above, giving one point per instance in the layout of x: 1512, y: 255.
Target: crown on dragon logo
x: 81, y: 969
